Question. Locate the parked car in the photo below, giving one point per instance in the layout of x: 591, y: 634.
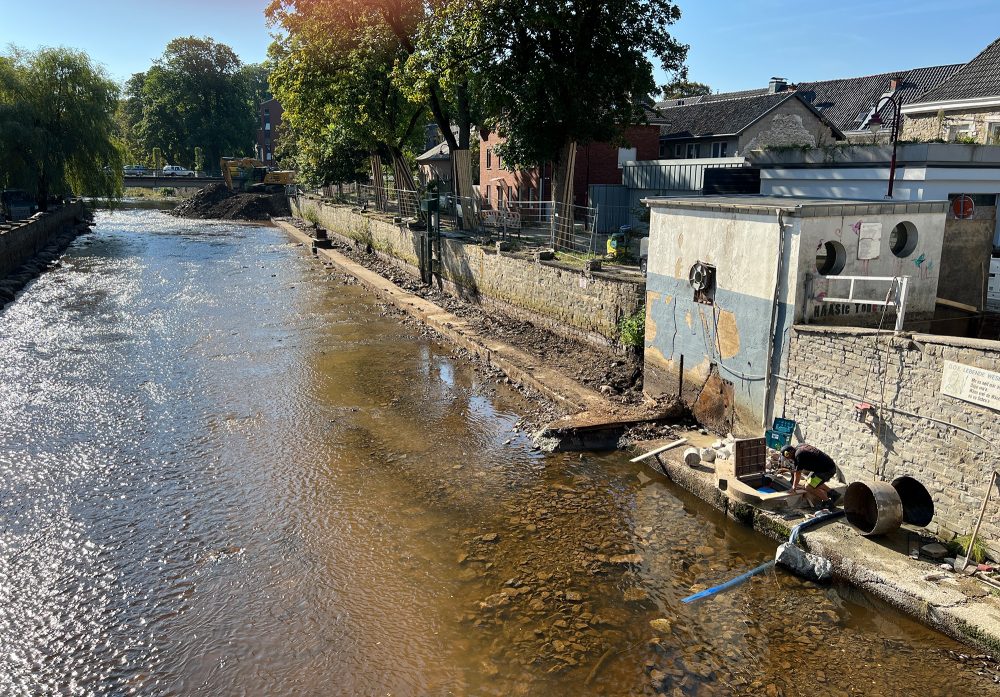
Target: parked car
x: 176, y: 171
x: 17, y: 204
x: 135, y: 171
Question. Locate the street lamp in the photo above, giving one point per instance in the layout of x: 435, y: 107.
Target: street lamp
x: 875, y: 124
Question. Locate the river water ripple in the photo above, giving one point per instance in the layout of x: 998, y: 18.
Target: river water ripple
x: 226, y: 472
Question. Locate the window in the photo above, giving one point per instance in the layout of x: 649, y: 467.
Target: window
x: 719, y: 149
x: 692, y: 151
x: 499, y: 162
x: 626, y: 155
x: 487, y: 193
x: 489, y: 161
x: 831, y: 258
x: 267, y: 126
x: 678, y: 150
x: 959, y: 132
x: 267, y: 156
x: 903, y: 239
x: 993, y: 134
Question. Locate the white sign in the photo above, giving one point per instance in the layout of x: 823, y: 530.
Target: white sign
x: 869, y: 241
x: 971, y: 384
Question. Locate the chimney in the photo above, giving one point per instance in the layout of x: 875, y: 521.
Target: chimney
x: 894, y: 83
x: 776, y: 84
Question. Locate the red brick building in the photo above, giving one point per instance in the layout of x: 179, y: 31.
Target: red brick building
x: 268, y: 122
x: 596, y: 163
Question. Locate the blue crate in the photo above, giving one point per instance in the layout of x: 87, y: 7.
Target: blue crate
x: 783, y: 426
x: 776, y: 440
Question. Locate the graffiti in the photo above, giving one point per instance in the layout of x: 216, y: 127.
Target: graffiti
x: 839, y: 309
x: 920, y: 260
x: 857, y: 228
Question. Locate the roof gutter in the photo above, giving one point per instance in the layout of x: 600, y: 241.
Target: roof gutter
x: 952, y: 105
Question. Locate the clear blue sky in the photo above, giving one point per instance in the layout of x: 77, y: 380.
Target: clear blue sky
x: 735, y: 44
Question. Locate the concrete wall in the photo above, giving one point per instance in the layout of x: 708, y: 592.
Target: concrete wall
x: 723, y: 347
x: 830, y: 370
x: 25, y: 239
x: 922, y: 264
x: 965, y: 259
x: 566, y: 301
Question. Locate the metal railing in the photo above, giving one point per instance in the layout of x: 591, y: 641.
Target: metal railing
x: 895, y: 296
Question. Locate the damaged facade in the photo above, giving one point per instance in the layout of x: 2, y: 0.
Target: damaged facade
x: 729, y: 276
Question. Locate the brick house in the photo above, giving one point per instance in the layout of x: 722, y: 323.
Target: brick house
x: 965, y: 107
x: 268, y: 122
x: 596, y: 163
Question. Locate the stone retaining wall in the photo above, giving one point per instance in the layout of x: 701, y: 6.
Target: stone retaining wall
x: 564, y: 300
x: 922, y: 432
x: 26, y: 238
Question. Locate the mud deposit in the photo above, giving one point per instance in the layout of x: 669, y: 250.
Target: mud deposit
x: 217, y: 202
x: 229, y: 472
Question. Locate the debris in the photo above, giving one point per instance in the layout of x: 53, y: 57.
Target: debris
x: 708, y: 455
x: 661, y: 625
x: 217, y: 201
x: 935, y: 550
x: 692, y: 457
x: 662, y: 448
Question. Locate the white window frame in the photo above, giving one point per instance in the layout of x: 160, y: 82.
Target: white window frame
x: 993, y: 133
x: 959, y: 128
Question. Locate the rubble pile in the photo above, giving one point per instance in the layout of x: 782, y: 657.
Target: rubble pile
x: 218, y: 202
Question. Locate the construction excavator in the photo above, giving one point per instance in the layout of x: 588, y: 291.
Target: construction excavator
x: 242, y: 173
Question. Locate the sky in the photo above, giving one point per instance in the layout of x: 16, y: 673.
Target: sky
x: 735, y: 44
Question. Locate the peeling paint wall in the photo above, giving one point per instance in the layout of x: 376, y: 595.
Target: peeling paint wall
x: 792, y: 124
x: 729, y: 338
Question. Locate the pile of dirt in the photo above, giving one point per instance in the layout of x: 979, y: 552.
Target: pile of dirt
x: 217, y: 201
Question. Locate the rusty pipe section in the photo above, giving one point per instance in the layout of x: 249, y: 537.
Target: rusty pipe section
x: 874, y: 508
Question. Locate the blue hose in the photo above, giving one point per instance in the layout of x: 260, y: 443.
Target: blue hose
x: 793, y: 538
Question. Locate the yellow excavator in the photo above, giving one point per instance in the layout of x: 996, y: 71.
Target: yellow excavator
x: 240, y: 173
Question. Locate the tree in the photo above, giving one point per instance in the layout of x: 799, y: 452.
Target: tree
x: 57, y: 126
x: 681, y: 87
x: 198, y: 93
x: 566, y: 72
x: 333, y: 76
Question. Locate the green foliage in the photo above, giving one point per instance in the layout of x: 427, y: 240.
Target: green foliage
x: 564, y: 71
x: 57, y: 125
x: 197, y: 94
x: 632, y: 329
x: 681, y: 87
x: 960, y: 547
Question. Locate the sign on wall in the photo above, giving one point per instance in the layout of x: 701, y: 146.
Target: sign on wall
x: 869, y: 241
x: 971, y: 384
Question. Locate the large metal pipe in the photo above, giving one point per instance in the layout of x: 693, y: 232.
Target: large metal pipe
x: 874, y: 508
x: 918, y: 506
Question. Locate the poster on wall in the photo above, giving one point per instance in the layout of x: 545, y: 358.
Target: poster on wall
x: 869, y: 241
x: 971, y: 384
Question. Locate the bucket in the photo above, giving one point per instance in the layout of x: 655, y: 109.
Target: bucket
x: 918, y: 507
x: 874, y: 508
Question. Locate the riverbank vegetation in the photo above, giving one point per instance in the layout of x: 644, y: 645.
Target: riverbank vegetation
x: 57, y: 131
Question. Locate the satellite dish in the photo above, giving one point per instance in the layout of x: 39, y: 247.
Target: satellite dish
x: 700, y: 276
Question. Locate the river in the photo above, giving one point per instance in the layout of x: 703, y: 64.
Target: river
x: 228, y: 472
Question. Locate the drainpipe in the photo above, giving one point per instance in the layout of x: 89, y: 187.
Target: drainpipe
x: 773, y: 338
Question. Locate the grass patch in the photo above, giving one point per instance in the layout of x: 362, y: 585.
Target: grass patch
x: 960, y: 546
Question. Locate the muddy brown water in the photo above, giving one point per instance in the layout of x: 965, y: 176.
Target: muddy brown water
x: 225, y: 472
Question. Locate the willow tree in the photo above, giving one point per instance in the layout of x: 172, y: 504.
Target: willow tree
x: 563, y: 73
x: 57, y: 125
x: 333, y: 75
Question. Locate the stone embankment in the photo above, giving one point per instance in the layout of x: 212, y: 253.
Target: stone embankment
x: 28, y: 247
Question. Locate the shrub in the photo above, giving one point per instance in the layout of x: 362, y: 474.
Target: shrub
x: 632, y: 329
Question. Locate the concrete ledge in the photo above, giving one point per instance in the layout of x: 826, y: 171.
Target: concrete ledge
x: 514, y: 363
x: 889, y: 575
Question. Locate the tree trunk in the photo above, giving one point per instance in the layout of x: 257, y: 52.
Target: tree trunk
x: 562, y: 196
x: 378, y: 181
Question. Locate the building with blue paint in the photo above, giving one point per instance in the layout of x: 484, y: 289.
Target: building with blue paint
x: 728, y: 276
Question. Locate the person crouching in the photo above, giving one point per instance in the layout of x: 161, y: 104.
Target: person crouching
x: 821, y: 467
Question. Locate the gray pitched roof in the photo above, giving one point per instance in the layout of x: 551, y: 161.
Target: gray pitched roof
x: 439, y: 152
x: 980, y: 77
x: 847, y: 102
x: 726, y: 117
